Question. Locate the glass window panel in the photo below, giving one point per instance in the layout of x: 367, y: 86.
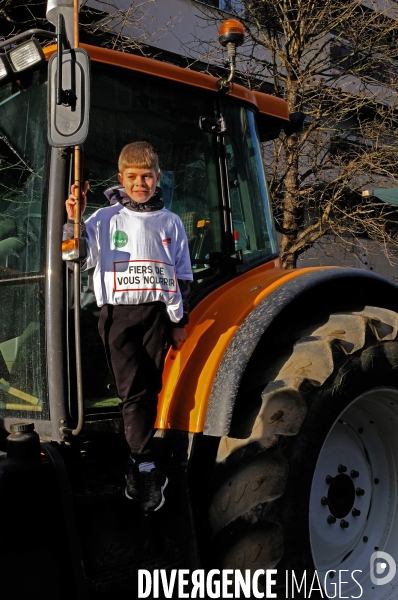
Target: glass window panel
x: 23, y: 155
x: 22, y: 356
x: 127, y: 107
x: 23, y: 162
x: 251, y: 212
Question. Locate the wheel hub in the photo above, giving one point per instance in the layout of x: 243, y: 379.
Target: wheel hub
x: 341, y: 496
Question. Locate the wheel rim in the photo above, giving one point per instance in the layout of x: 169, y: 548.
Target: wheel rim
x: 354, y: 493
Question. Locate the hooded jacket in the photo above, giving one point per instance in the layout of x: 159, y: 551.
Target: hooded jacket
x: 116, y: 195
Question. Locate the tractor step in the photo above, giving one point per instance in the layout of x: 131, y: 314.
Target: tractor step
x: 109, y: 537
x: 116, y: 538
x: 94, y: 481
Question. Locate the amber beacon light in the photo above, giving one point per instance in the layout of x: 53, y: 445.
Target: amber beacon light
x: 230, y: 35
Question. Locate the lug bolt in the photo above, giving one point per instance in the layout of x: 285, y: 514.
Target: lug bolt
x: 355, y: 512
x: 344, y: 524
x: 324, y: 501
x: 360, y: 492
x: 331, y: 519
x: 354, y: 474
x: 329, y: 479
x: 342, y: 468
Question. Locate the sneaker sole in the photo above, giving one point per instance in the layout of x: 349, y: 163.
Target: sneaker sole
x: 163, y: 498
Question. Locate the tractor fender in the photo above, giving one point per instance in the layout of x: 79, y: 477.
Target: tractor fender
x: 328, y: 287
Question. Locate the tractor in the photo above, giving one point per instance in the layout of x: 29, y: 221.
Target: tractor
x: 277, y: 421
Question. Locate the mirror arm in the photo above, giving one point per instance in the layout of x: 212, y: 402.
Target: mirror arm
x: 65, y: 97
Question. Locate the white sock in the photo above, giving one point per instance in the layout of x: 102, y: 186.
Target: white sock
x: 146, y: 466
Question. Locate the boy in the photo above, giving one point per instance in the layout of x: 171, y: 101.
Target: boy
x: 141, y: 282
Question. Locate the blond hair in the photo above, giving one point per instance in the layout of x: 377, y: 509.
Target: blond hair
x: 138, y: 154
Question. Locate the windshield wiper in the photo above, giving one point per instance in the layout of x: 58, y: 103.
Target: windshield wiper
x: 13, y: 149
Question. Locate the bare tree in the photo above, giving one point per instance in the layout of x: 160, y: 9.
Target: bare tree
x: 16, y: 16
x: 335, y: 61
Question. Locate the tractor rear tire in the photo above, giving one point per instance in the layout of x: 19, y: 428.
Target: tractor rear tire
x: 313, y: 487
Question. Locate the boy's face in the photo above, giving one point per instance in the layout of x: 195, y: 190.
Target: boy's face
x: 140, y: 184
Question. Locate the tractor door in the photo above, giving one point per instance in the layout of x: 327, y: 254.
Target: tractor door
x: 127, y: 106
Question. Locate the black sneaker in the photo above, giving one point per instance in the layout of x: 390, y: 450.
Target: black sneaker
x: 132, y: 491
x: 152, y: 486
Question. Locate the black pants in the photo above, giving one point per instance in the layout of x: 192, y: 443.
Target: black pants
x: 136, y: 338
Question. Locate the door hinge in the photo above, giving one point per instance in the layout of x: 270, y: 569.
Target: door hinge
x: 212, y: 125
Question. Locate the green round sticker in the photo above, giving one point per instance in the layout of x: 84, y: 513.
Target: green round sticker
x: 120, y: 239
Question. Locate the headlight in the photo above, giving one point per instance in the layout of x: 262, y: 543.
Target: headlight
x: 25, y: 56
x: 5, y: 69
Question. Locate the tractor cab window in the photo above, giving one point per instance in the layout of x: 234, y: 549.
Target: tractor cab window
x: 253, y: 229
x: 23, y: 163
x: 128, y: 107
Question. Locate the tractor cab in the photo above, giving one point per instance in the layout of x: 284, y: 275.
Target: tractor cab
x: 212, y: 176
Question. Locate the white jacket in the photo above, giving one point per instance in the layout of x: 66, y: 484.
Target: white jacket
x: 138, y: 257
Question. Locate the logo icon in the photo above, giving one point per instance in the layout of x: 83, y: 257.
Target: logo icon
x: 120, y: 239
x: 166, y: 241
x: 382, y: 568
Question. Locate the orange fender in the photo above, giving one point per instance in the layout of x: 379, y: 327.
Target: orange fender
x: 189, y: 377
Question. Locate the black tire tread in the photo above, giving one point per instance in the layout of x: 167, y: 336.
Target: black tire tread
x: 241, y: 499
x: 312, y: 362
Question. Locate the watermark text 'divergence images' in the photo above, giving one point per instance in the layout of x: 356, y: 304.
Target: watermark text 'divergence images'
x: 229, y: 583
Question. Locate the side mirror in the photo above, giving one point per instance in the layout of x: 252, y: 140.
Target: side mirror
x: 68, y: 121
